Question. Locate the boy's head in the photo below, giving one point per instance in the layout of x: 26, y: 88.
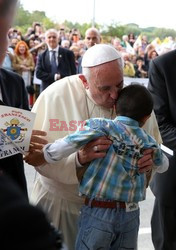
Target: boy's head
x: 136, y: 102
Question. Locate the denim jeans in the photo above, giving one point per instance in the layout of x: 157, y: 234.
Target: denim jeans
x: 107, y: 229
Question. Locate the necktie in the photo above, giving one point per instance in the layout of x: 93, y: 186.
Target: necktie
x: 54, y: 68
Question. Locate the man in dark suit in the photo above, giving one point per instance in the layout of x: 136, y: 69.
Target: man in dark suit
x: 22, y: 226
x: 12, y: 93
x: 55, y: 62
x: 13, y: 90
x: 162, y: 85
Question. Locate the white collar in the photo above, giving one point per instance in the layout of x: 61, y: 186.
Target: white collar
x: 56, y: 49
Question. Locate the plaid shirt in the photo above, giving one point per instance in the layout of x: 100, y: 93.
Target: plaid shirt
x: 116, y: 176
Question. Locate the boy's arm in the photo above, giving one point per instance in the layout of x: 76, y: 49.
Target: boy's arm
x: 161, y: 164
x: 160, y: 161
x: 62, y: 148
x: 158, y: 169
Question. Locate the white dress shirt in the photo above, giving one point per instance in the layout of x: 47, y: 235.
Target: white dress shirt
x: 57, y: 55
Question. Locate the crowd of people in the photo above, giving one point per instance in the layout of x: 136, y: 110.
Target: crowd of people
x: 120, y: 130
x: 24, y: 52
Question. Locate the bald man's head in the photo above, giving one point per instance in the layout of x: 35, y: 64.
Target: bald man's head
x: 92, y: 37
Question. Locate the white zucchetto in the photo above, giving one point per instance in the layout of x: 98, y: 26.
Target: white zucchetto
x: 99, y: 54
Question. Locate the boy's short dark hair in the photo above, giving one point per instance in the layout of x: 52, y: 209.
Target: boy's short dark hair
x: 134, y: 101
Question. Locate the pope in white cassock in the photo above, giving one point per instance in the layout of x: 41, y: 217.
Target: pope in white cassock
x: 59, y: 110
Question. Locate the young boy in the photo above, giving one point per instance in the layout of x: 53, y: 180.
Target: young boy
x: 112, y: 185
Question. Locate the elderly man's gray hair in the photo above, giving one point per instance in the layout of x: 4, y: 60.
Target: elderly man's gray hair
x: 51, y: 31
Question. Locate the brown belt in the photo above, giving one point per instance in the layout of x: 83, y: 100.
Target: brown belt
x: 104, y: 204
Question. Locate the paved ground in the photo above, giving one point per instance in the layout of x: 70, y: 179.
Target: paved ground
x: 144, y: 242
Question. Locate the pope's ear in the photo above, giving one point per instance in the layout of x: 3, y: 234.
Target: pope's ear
x: 84, y: 81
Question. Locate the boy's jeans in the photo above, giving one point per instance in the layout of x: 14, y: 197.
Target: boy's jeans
x: 108, y: 229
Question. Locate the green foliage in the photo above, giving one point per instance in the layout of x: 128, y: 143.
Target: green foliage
x: 25, y: 19
x: 48, y: 24
x: 113, y: 30
x: 37, y: 16
x: 22, y: 17
x: 162, y: 33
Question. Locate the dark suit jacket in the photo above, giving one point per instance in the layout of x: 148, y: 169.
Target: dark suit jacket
x: 13, y: 89
x: 66, y: 66
x: 14, y: 94
x: 162, y: 85
x: 79, y: 67
x: 22, y: 226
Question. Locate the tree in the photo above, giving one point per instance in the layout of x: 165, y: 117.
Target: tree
x: 23, y: 17
x: 162, y: 33
x: 38, y: 16
x: 48, y: 24
x: 113, y: 30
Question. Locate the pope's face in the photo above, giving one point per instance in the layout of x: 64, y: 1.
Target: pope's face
x: 105, y: 83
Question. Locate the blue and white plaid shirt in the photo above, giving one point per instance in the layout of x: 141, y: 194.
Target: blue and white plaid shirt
x: 116, y: 176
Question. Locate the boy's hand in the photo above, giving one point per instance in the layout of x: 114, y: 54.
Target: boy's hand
x: 145, y: 163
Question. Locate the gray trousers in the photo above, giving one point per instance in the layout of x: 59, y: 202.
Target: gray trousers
x: 163, y: 224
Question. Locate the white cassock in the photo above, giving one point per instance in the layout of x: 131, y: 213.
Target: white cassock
x: 60, y: 107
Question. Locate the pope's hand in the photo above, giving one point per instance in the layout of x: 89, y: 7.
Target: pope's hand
x: 93, y: 150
